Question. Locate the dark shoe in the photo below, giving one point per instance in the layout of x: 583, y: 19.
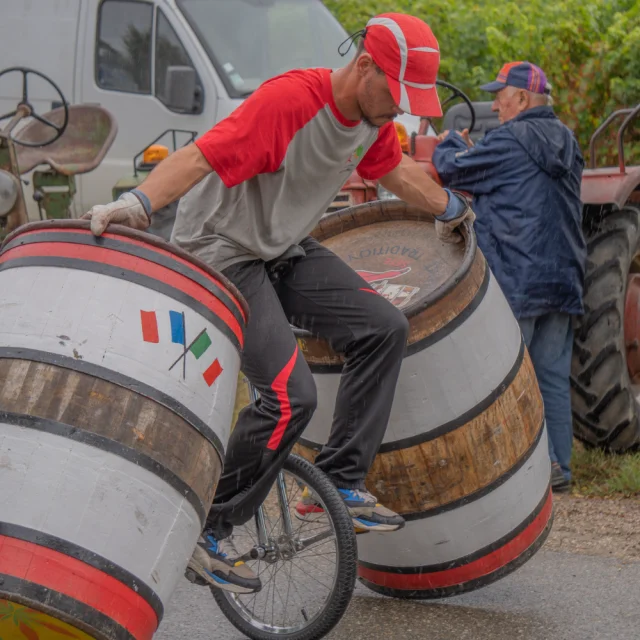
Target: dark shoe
x: 213, y: 563
x: 559, y: 482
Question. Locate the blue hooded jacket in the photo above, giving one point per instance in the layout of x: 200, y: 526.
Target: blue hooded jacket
x: 525, y: 180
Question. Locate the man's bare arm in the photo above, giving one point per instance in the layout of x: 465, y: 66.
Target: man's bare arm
x: 410, y: 183
x: 168, y: 182
x: 175, y: 176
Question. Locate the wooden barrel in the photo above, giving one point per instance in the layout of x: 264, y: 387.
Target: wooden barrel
x: 119, y: 362
x: 465, y: 457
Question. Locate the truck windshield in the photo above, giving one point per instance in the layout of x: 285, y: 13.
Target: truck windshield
x: 250, y: 41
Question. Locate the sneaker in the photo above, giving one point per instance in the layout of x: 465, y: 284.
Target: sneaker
x: 367, y: 514
x: 309, y: 508
x: 559, y: 482
x: 212, y: 564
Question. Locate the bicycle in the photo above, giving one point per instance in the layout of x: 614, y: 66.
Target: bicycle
x: 313, y: 589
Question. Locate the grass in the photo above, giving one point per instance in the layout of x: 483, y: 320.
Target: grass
x: 605, y: 475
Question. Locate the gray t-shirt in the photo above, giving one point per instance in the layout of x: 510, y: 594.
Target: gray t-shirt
x: 279, y: 160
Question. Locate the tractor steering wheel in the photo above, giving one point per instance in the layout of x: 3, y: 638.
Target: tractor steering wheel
x: 455, y: 93
x: 25, y: 109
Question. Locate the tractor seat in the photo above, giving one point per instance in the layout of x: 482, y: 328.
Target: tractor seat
x: 90, y: 133
x: 457, y: 118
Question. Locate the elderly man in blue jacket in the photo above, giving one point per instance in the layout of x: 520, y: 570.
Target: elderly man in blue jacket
x: 525, y: 180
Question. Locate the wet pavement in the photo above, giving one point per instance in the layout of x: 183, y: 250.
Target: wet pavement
x: 561, y: 596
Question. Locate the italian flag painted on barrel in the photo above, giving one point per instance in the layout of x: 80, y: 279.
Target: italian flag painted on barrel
x: 198, y: 347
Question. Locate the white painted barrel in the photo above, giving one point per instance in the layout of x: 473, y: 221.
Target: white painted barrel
x: 465, y: 457
x: 119, y: 360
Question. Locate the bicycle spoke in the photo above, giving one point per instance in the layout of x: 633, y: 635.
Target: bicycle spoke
x: 308, y: 574
x: 273, y: 596
x: 301, y: 585
x: 315, y: 566
x: 272, y: 587
x: 286, y: 607
x: 261, y: 571
x: 254, y: 539
x: 266, y: 600
x: 318, y: 537
x: 317, y: 555
x: 274, y: 526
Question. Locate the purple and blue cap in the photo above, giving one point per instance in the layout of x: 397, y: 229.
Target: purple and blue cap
x: 522, y: 75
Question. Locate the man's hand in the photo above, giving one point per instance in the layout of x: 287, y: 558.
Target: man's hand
x: 464, y: 134
x: 446, y: 231
x: 458, y: 210
x: 127, y: 210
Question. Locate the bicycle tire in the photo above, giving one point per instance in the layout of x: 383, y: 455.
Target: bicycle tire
x: 340, y: 597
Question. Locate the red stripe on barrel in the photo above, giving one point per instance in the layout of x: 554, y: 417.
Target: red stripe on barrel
x: 466, y: 573
x: 131, y: 263
x: 150, y: 247
x: 77, y: 580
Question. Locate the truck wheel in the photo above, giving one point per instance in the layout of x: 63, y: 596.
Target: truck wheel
x: 605, y: 378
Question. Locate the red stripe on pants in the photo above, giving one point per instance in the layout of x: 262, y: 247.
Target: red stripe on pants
x: 279, y: 386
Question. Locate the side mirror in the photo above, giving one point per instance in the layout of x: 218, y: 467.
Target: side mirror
x: 180, y: 89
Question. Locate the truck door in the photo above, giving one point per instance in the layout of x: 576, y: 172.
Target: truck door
x: 130, y: 51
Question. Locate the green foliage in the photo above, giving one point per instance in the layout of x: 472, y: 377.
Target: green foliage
x: 588, y: 48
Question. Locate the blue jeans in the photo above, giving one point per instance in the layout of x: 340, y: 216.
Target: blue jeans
x: 549, y: 339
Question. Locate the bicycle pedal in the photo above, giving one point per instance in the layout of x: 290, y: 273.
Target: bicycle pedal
x: 194, y: 578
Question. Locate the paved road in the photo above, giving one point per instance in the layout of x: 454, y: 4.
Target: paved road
x: 556, y: 596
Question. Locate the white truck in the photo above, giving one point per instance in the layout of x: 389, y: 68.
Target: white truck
x: 159, y: 64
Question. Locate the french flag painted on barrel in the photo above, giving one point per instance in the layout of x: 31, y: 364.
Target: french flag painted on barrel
x: 198, y: 346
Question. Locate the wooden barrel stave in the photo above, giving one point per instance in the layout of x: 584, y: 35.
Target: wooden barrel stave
x: 110, y: 459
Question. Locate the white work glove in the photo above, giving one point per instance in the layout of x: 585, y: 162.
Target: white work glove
x: 457, y: 211
x: 446, y: 230
x: 127, y: 210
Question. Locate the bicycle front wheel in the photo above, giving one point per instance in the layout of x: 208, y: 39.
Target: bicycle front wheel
x: 308, y: 569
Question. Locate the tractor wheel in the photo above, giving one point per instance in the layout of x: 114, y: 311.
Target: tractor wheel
x: 605, y: 376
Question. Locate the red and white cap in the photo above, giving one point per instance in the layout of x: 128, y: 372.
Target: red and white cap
x: 405, y: 48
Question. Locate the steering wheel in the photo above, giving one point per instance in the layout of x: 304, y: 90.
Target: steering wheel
x: 455, y: 93
x: 25, y: 109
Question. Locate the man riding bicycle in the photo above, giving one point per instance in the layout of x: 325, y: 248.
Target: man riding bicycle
x: 256, y: 184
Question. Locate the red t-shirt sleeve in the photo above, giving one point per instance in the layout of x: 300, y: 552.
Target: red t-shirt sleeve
x: 383, y: 156
x: 255, y: 137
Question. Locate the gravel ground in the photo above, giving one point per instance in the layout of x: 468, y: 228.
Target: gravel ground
x: 596, y: 526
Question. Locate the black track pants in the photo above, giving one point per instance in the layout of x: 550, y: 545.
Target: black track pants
x: 319, y: 293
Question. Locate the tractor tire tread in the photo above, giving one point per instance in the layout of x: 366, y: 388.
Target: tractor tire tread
x: 605, y: 411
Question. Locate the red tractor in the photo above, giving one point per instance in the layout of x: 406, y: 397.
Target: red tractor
x: 606, y: 361
x: 606, y: 356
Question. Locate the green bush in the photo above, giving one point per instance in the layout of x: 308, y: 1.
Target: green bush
x: 589, y: 49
